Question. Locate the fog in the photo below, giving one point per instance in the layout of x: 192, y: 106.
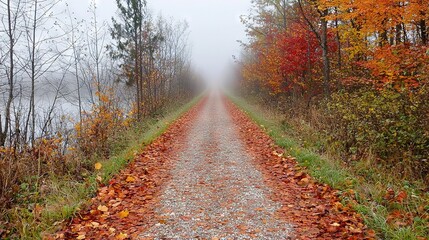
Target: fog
x: 214, y: 31
x: 214, y: 26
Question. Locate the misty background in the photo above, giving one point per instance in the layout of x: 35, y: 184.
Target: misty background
x: 215, y: 28
x: 81, y: 30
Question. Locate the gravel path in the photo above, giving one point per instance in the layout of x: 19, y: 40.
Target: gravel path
x: 215, y: 191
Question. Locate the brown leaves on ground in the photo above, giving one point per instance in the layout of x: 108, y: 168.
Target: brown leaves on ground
x: 314, y: 209
x: 123, y: 208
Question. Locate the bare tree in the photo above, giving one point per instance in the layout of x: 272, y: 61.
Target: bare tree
x: 10, y: 21
x: 40, y: 57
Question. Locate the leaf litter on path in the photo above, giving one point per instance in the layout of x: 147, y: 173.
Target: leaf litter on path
x: 122, y: 207
x: 215, y: 174
x: 313, y: 208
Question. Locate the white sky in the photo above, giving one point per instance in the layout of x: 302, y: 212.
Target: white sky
x: 214, y: 25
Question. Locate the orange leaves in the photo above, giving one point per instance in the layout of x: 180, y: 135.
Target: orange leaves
x: 130, y: 179
x: 121, y: 208
x: 401, y: 66
x: 402, y: 195
x: 123, y: 214
x: 98, y: 125
x: 122, y: 236
x: 313, y: 208
x: 391, y: 196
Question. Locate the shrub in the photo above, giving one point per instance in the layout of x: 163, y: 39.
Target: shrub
x: 99, y: 125
x: 390, y: 124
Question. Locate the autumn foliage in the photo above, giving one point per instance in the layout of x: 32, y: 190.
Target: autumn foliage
x: 357, y: 73
x: 371, y: 63
x: 99, y: 125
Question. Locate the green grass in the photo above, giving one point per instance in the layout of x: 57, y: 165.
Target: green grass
x: 68, y: 196
x: 323, y: 162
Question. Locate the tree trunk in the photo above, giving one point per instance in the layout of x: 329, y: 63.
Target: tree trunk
x: 10, y: 30
x: 33, y: 75
x: 423, y: 32
x: 325, y: 54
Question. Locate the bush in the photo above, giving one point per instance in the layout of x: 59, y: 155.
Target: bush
x: 391, y: 125
x: 98, y: 126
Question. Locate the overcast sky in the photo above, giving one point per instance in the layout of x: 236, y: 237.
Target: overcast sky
x: 214, y: 26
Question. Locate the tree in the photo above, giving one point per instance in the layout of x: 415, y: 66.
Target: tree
x: 128, y: 33
x: 321, y: 35
x: 10, y: 21
x: 41, y: 57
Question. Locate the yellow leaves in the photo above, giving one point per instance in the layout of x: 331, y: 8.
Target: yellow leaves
x: 98, y: 166
x: 122, y: 236
x: 103, y: 208
x: 130, y: 179
x: 123, y: 214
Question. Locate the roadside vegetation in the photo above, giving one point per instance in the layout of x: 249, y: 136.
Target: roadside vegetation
x: 393, y: 206
x: 74, y: 113
x: 68, y: 188
x: 345, y: 89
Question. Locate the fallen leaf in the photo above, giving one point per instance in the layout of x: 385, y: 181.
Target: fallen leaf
x: 332, y: 229
x: 122, y: 236
x: 185, y: 218
x: 80, y: 237
x: 123, y: 214
x: 103, y: 208
x: 304, y: 182
x: 95, y: 224
x: 335, y: 224
x: 98, y: 166
x: 402, y: 195
x: 130, y: 179
x: 99, y: 178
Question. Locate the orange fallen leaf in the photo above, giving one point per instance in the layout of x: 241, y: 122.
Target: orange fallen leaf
x: 130, y: 179
x: 122, y: 236
x: 332, y: 229
x: 402, y: 195
x: 123, y: 214
x: 304, y: 182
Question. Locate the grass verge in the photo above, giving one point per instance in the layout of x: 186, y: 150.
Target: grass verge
x: 360, y: 184
x: 66, y: 196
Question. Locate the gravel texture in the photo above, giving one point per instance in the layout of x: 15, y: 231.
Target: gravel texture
x: 216, y: 192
